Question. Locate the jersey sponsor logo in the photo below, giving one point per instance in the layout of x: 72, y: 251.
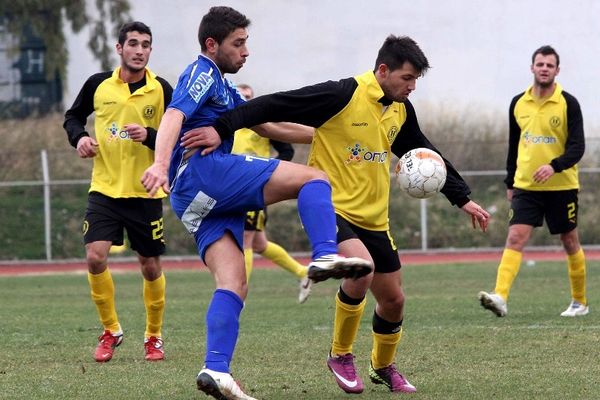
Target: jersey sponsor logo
x: 117, y: 133
x: 200, y: 86
x: 149, y: 111
x: 357, y: 153
x: 529, y: 138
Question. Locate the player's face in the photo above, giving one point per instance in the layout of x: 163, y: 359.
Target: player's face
x: 544, y: 70
x: 135, y: 52
x: 231, y: 54
x: 246, y: 92
x: 399, y: 83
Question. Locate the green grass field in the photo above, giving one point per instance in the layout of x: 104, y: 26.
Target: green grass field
x: 451, y: 348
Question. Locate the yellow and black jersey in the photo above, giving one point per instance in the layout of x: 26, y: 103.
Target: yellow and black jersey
x: 550, y: 132
x: 357, y: 129
x: 120, y: 161
x: 246, y: 141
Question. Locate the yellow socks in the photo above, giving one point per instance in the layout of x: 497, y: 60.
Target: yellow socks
x: 384, y: 349
x: 507, y: 271
x: 576, y: 264
x: 154, y: 301
x: 279, y: 256
x: 103, y: 295
x: 345, y: 326
x: 248, y: 260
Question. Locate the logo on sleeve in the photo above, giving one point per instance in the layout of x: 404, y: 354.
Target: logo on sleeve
x: 200, y: 86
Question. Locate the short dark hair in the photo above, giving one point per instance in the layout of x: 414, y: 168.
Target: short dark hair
x: 136, y: 26
x: 219, y: 23
x: 546, y: 51
x: 396, y: 50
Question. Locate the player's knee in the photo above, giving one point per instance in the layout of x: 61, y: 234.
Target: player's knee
x: 570, y: 242
x: 151, y: 268
x: 516, y: 240
x: 316, y: 174
x: 394, y: 303
x: 96, y: 260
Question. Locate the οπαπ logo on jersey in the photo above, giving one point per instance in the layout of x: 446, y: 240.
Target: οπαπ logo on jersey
x: 149, y: 111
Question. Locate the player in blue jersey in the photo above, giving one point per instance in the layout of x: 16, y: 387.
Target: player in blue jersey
x: 211, y: 191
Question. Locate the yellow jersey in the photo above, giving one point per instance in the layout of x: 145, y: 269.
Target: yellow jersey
x: 120, y: 161
x: 550, y: 132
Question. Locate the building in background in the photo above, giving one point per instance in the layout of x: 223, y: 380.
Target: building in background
x: 26, y: 88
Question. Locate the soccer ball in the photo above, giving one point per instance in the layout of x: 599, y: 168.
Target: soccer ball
x: 421, y: 173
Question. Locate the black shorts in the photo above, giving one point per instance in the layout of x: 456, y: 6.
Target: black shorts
x: 255, y: 220
x: 559, y: 208
x: 379, y: 244
x: 105, y: 219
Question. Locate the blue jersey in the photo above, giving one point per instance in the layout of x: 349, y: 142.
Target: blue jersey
x: 211, y: 194
x: 202, y: 94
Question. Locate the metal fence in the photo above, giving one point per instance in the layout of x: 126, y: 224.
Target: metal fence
x: 421, y: 231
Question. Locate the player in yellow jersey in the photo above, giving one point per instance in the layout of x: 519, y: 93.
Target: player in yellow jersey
x: 128, y: 104
x: 546, y: 141
x: 246, y: 141
x: 359, y: 122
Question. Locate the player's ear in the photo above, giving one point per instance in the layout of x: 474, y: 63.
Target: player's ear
x: 383, y: 70
x: 211, y: 45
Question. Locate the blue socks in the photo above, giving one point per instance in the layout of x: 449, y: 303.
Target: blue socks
x: 222, y: 328
x: 318, y: 217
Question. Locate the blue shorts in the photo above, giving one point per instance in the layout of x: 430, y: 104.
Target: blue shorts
x: 211, y: 194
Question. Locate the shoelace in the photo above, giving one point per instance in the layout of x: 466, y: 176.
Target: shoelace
x: 154, y: 342
x: 107, y: 337
x: 348, y: 365
x: 391, y: 371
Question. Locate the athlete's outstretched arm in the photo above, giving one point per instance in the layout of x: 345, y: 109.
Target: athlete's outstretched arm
x: 287, y: 132
x: 156, y: 176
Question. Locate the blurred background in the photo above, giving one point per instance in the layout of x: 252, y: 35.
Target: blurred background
x: 480, y: 54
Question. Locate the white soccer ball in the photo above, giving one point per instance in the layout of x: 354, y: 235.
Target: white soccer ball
x: 421, y: 173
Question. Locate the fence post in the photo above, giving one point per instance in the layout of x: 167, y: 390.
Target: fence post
x: 47, y: 219
x: 423, y: 224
